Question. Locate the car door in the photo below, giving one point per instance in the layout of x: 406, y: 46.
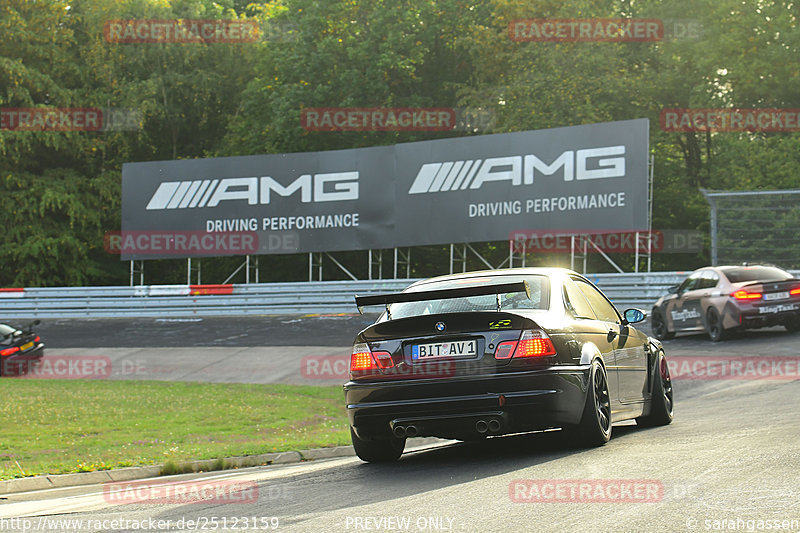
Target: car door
x: 630, y: 357
x: 683, y: 311
x: 589, y: 329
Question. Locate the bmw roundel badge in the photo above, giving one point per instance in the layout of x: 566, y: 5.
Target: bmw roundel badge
x: 440, y: 326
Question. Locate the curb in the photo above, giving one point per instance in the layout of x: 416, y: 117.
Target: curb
x: 52, y: 481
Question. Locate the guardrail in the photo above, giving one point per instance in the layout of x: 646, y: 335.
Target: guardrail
x: 625, y: 290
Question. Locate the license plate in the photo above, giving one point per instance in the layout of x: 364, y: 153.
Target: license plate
x: 26, y: 346
x: 439, y: 350
x: 776, y: 295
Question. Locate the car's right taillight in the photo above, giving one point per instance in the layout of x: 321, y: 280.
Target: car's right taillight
x: 531, y: 343
x: 795, y: 292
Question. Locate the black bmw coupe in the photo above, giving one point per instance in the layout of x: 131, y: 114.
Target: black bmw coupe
x: 472, y: 355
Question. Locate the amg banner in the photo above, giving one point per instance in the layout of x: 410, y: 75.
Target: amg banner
x: 467, y: 189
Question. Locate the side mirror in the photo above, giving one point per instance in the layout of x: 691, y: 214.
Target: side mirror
x: 673, y: 289
x: 632, y: 316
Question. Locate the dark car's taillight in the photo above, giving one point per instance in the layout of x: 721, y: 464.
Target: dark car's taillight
x: 742, y: 294
x: 365, y: 362
x: 531, y: 343
x: 9, y: 351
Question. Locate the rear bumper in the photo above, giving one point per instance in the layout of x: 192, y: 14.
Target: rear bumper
x: 451, y: 407
x: 770, y: 315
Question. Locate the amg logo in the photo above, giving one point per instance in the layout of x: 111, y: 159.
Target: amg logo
x: 519, y: 170
x: 329, y: 187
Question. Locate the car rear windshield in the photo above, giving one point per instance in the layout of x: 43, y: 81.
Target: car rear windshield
x: 5, y: 333
x: 540, y: 297
x: 755, y: 273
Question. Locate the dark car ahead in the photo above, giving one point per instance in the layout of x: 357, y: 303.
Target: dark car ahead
x: 17, y: 345
x: 724, y: 299
x: 489, y: 353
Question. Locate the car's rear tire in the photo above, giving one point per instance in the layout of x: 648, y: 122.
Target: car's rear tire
x: 716, y: 332
x: 660, y: 327
x: 595, y: 425
x: 661, y: 402
x: 383, y: 450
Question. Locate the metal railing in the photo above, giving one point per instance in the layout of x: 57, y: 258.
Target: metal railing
x: 625, y: 290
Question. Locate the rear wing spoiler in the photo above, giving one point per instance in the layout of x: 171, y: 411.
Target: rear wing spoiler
x: 441, y: 294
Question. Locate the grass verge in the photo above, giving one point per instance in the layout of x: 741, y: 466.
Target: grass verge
x: 56, y: 427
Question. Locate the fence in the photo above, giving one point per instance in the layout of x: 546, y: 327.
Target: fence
x: 625, y: 290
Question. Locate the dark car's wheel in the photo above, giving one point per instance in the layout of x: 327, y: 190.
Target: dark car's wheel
x: 714, y: 326
x: 378, y: 450
x: 595, y: 426
x: 661, y: 404
x: 660, y: 327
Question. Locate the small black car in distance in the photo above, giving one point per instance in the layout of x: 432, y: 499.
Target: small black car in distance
x: 18, y: 346
x: 505, y: 351
x: 723, y: 299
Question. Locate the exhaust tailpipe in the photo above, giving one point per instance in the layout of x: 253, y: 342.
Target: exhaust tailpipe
x: 399, y: 431
x: 494, y: 425
x: 481, y: 426
x: 412, y: 431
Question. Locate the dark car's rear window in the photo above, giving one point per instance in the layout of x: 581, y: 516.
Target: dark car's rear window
x: 5, y: 334
x: 755, y: 273
x: 540, y: 297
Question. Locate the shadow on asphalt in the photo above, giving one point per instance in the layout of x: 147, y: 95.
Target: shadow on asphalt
x: 429, y: 470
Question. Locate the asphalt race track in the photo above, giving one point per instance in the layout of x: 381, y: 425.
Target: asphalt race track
x: 729, y: 461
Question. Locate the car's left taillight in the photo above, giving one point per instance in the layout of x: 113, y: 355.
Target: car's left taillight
x: 531, y: 343
x: 365, y: 362
x: 742, y: 294
x: 9, y: 351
